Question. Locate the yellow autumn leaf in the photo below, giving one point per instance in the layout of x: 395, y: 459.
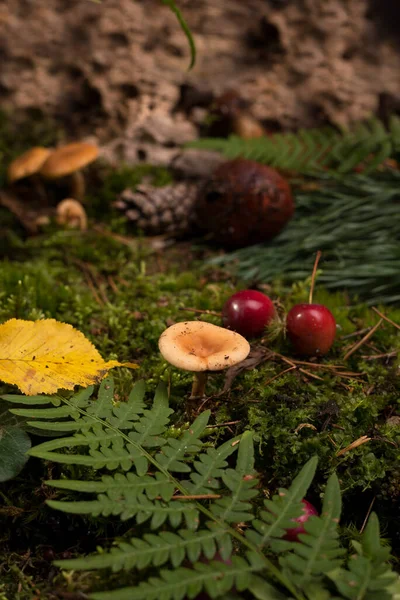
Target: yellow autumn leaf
x: 41, y: 357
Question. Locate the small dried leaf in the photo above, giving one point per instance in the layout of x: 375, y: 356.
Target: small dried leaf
x: 362, y: 440
x: 41, y: 357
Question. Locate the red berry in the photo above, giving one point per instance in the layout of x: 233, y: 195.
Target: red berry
x: 311, y: 329
x: 292, y: 535
x: 248, y: 312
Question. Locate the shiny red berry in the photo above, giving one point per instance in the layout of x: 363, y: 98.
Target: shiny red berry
x: 292, y: 534
x: 311, y: 328
x: 248, y: 312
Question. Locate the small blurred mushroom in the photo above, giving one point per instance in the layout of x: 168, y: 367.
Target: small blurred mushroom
x: 201, y: 347
x: 70, y: 213
x: 230, y: 114
x: 68, y: 160
x: 28, y: 163
x: 247, y: 127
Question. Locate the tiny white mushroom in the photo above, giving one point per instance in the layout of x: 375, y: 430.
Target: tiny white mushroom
x: 200, y: 347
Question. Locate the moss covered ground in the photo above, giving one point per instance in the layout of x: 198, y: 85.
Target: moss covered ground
x: 122, y: 294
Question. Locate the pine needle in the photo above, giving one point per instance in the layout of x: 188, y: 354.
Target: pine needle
x: 353, y: 220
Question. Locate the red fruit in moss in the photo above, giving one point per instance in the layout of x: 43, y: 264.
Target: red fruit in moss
x: 311, y: 328
x: 248, y: 312
x: 243, y: 203
x: 292, y: 534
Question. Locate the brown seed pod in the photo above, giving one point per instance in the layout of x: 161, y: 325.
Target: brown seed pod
x: 244, y: 203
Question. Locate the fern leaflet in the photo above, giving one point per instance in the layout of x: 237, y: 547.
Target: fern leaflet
x: 368, y: 574
x: 191, y: 516
x: 313, y: 150
x: 319, y: 551
x: 282, y: 509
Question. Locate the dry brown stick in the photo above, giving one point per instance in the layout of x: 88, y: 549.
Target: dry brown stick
x: 383, y: 355
x: 195, y: 497
x: 200, y: 311
x: 310, y: 374
x: 112, y: 284
x: 355, y: 333
x: 313, y: 276
x: 223, y: 424
x: 362, y: 341
x: 362, y: 440
x: 367, y: 515
x: 279, y: 374
x: 378, y: 312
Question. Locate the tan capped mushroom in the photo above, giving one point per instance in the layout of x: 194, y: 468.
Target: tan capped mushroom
x: 201, y: 347
x: 69, y: 160
x: 70, y: 213
x: 28, y: 163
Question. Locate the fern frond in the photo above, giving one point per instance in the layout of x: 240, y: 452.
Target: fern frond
x: 156, y: 550
x: 118, y: 484
x: 188, y: 520
x: 176, y: 449
x: 368, y: 573
x: 140, y: 508
x: 313, y: 150
x: 99, y: 428
x: 319, y: 551
x: 282, y: 509
x: 208, y: 468
x: 215, y: 578
x: 241, y: 483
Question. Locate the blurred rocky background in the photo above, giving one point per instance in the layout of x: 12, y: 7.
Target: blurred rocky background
x: 117, y: 70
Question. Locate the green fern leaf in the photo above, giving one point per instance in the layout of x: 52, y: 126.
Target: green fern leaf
x: 208, y: 469
x: 319, y: 550
x: 368, y: 574
x: 32, y: 400
x: 282, y: 509
x: 241, y: 483
x: 262, y: 590
x: 155, y: 550
x: 176, y: 449
x: 215, y: 578
x: 107, y: 448
x: 140, y: 508
x: 118, y: 484
x: 311, y: 151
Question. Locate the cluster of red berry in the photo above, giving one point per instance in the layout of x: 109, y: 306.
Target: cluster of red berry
x: 311, y: 328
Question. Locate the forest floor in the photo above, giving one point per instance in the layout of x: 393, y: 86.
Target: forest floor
x: 122, y: 292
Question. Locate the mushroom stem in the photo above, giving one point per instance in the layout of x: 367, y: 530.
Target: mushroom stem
x: 199, y: 384
x: 77, y: 185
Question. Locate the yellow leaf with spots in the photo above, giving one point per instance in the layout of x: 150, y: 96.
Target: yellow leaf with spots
x: 41, y: 357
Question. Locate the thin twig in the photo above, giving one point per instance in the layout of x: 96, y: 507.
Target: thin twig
x: 200, y: 311
x: 279, y: 374
x: 319, y: 253
x: 378, y: 312
x: 356, y: 333
x: 194, y: 497
x: 362, y: 440
x: 362, y: 341
x: 223, y: 424
x: 383, y: 355
x: 310, y: 374
x: 367, y: 515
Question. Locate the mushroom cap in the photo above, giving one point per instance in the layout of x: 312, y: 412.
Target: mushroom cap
x: 68, y: 159
x: 71, y: 213
x: 200, y: 346
x: 28, y: 163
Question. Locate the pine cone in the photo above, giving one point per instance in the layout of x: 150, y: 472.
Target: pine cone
x: 160, y: 210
